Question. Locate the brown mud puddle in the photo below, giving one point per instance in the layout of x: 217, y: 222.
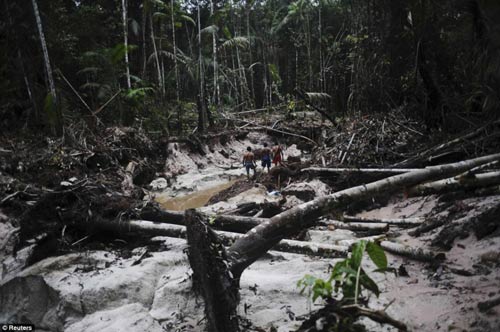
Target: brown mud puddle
x: 194, y: 200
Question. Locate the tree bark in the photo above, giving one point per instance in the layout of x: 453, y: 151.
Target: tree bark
x: 358, y: 226
x: 418, y: 254
x: 389, y: 221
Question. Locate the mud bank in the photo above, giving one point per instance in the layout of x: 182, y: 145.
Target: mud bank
x: 193, y: 178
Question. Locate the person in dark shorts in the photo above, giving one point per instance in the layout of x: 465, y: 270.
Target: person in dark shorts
x: 266, y: 157
x: 248, y: 161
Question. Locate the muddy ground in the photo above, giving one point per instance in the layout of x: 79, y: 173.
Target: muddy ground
x: 94, y: 280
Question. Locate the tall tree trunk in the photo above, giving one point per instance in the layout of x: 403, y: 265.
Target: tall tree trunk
x: 309, y: 60
x: 252, y: 88
x: 157, y: 57
x: 174, y: 43
x: 202, y: 114
x: 214, y: 56
x: 322, y: 80
x: 243, y: 79
x: 144, y: 43
x: 125, y: 41
x: 58, y: 125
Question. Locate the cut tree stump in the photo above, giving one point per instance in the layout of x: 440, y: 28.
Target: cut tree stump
x: 211, y: 277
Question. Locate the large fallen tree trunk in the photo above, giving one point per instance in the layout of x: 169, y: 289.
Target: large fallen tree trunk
x: 387, y: 171
x: 455, y: 184
x: 228, y: 238
x: 260, y: 239
x: 390, y: 221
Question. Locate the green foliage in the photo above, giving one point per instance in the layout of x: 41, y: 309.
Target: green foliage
x: 273, y: 70
x: 347, y: 276
x: 137, y: 95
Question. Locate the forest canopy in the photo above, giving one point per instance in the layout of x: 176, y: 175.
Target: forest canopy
x: 174, y: 65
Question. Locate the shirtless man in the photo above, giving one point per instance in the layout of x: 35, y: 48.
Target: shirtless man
x: 266, y: 157
x: 248, y: 161
x: 278, y: 154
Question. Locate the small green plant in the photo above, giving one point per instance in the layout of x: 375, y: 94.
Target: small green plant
x: 347, y: 275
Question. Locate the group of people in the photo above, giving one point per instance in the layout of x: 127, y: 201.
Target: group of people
x: 274, y: 154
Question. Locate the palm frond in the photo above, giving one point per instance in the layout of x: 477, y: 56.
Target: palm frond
x: 240, y: 42
x: 318, y: 96
x: 211, y: 29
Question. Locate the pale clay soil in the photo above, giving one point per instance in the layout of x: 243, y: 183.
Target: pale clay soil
x: 101, y: 291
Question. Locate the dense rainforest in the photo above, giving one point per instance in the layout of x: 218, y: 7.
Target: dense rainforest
x: 266, y: 165
x: 175, y: 65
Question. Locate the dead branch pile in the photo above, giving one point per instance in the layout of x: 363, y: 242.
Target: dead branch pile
x: 375, y: 140
x: 394, y: 139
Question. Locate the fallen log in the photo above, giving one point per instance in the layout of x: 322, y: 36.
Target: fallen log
x: 475, y: 170
x: 357, y: 227
x: 349, y: 243
x: 263, y: 237
x: 229, y: 223
x: 228, y: 238
x: 418, y: 254
x: 390, y: 221
x: 454, y: 184
x: 388, y: 171
x: 270, y: 129
x: 427, y: 226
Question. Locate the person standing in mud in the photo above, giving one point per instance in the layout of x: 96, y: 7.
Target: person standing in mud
x: 277, y: 154
x: 266, y: 157
x: 249, y: 161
